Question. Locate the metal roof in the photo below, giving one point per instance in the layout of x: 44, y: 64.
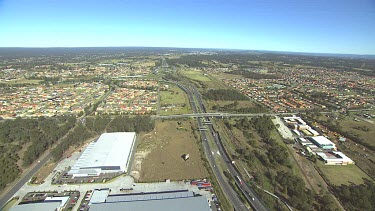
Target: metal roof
x: 110, y: 150
x: 322, y: 140
x: 144, y: 197
x: 44, y: 206
x: 99, y: 196
x: 181, y: 204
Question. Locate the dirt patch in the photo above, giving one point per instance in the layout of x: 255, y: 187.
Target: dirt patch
x: 164, y: 148
x: 139, y: 156
x: 42, y: 174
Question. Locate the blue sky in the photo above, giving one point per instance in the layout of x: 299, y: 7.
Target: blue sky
x: 321, y: 26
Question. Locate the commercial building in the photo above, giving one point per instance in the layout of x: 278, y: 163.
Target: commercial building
x: 335, y: 158
x: 111, y: 153
x: 43, y: 206
x: 99, y: 196
x: 181, y: 200
x: 322, y: 142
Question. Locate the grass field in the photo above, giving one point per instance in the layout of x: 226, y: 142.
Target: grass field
x: 338, y: 175
x: 175, y: 110
x: 196, y: 75
x: 175, y: 100
x: 241, y: 104
x: 353, y: 126
x: 24, y: 81
x: 173, y: 95
x: 167, y: 143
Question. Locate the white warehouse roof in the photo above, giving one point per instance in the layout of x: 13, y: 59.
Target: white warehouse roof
x: 112, y: 151
x: 323, y: 140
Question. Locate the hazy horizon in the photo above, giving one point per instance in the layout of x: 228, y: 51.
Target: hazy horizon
x: 333, y: 27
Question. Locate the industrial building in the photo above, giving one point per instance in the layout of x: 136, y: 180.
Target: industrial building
x: 50, y: 203
x: 322, y: 142
x: 111, y: 153
x: 181, y: 200
x: 335, y: 158
x: 44, y: 206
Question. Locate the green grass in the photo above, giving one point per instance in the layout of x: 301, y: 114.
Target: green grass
x: 338, y: 175
x: 9, y: 205
x: 176, y: 110
x: 350, y: 125
x: 172, y: 96
x: 175, y: 96
x: 24, y: 81
x: 196, y: 75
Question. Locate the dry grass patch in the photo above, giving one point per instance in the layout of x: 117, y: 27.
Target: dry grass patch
x: 167, y: 143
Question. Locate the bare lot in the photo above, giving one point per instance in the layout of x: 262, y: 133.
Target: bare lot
x: 166, y: 144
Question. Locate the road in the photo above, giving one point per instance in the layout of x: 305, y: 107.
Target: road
x: 247, y: 191
x: 43, y: 160
x: 24, y: 180
x: 227, y: 189
x: 218, y: 115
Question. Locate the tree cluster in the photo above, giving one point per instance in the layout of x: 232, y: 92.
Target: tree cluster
x: 75, y: 137
x: 98, y: 124
x: 357, y: 197
x: 224, y: 95
x: 39, y: 134
x: 127, y: 124
x: 299, y: 196
x: 253, y: 75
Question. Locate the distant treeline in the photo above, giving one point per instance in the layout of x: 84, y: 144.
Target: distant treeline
x: 242, y: 59
x: 253, y: 75
x: 224, y: 95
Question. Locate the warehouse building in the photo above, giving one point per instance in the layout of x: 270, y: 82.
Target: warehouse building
x: 323, y: 142
x: 181, y: 200
x: 43, y: 206
x: 111, y: 153
x: 335, y: 158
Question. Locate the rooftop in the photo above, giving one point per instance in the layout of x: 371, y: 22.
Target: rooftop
x: 322, y: 140
x: 110, y: 150
x: 182, y: 204
x: 44, y: 206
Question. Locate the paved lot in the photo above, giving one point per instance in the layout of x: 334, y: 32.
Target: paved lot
x: 283, y: 129
x: 115, y: 185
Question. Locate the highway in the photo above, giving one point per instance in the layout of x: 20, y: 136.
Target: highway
x: 227, y: 189
x: 247, y: 191
x: 218, y: 115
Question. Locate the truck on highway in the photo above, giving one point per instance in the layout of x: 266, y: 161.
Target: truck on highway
x: 239, y: 180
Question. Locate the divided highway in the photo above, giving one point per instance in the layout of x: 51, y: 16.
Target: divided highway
x: 230, y: 193
x: 247, y: 191
x: 228, y: 190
